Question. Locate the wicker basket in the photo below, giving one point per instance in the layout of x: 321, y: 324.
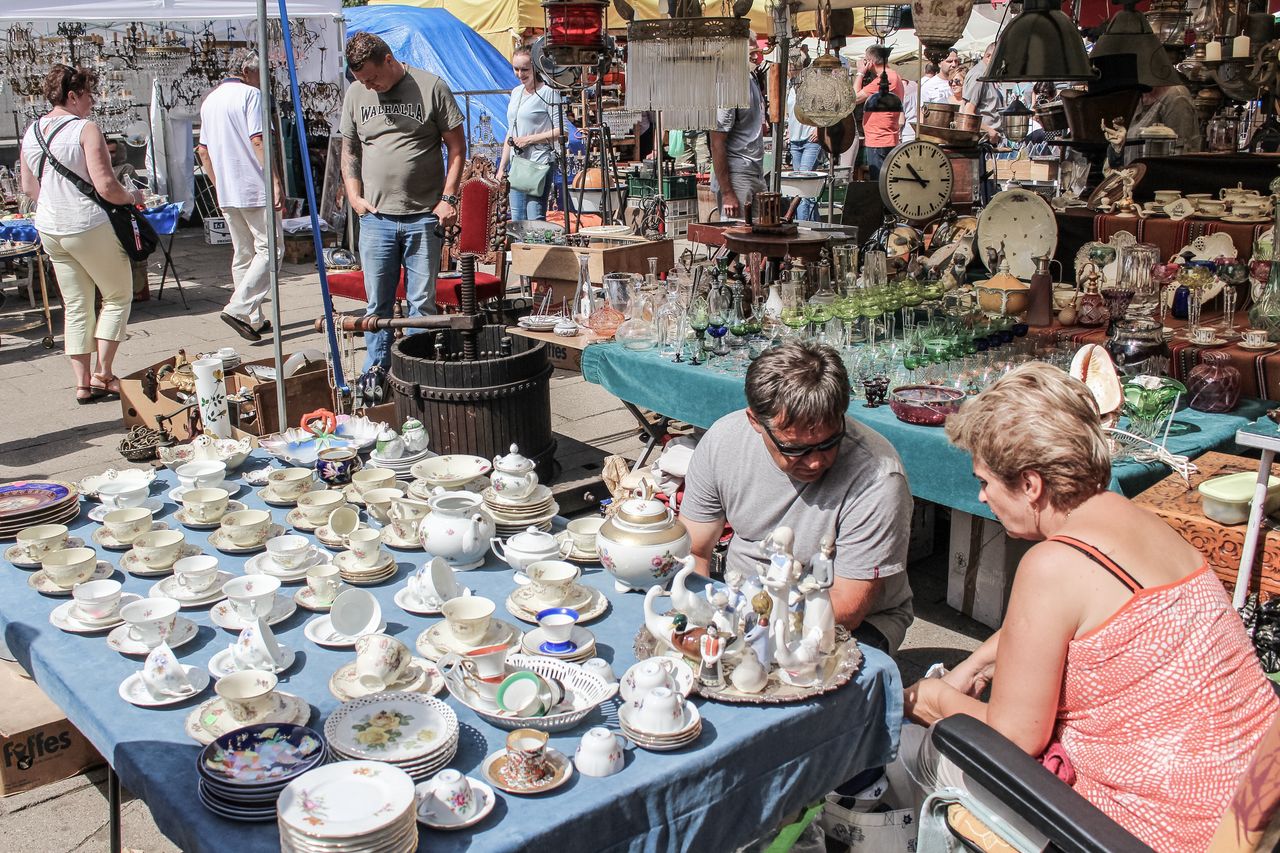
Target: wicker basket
x: 588, y: 691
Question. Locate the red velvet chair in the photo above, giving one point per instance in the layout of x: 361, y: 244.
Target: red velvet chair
x: 481, y: 230
x: 350, y: 283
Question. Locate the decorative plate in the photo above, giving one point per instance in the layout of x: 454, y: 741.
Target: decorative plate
x: 391, y: 726
x: 32, y: 495
x: 1023, y: 223
x: 89, y: 485
x: 435, y: 642
x: 320, y: 631
x: 349, y: 799
x: 212, y: 719
x: 589, y: 602
x: 561, y: 772
x: 840, y: 666
x: 296, y: 446
x: 260, y: 754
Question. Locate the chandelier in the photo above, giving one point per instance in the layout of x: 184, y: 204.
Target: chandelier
x: 824, y: 93
x: 688, y: 68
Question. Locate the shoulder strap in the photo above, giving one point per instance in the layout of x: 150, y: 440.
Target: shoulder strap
x: 1129, y: 581
x: 76, y: 181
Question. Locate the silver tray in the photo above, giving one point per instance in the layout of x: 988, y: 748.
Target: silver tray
x: 840, y: 666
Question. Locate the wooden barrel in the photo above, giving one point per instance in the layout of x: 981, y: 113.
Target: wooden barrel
x: 480, y: 406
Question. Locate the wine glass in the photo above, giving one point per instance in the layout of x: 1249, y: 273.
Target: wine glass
x: 1233, y: 272
x: 719, y: 308
x: 794, y: 315
x: 699, y: 321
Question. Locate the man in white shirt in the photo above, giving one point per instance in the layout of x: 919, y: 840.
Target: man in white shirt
x: 231, y: 153
x: 935, y: 88
x: 910, y: 110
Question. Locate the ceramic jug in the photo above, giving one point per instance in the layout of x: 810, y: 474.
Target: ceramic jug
x: 643, y: 542
x: 458, y: 528
x: 513, y: 475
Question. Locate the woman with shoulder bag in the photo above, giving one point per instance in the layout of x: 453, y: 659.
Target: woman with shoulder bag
x: 75, y: 230
x: 532, y: 128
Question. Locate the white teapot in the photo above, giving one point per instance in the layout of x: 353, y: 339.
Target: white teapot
x: 458, y: 528
x: 523, y: 549
x: 513, y: 476
x: 414, y: 435
x: 643, y: 542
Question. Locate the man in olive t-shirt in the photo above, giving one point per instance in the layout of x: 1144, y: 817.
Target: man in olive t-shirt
x: 394, y: 119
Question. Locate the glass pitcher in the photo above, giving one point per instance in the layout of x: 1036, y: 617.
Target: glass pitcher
x: 638, y: 331
x: 1137, y: 261
x: 606, y: 319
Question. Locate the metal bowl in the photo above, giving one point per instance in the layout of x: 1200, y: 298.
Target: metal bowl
x: 925, y: 405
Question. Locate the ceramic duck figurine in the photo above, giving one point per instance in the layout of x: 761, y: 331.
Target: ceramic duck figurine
x: 659, y: 624
x: 797, y: 661
x: 749, y: 676
x: 698, y: 610
x: 686, y: 639
x: 819, y: 615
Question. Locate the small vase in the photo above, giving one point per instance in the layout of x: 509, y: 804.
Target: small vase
x: 1149, y: 403
x: 1214, y: 384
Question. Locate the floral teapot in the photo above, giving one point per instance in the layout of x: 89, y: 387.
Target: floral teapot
x: 523, y: 549
x: 458, y: 528
x: 643, y: 542
x: 513, y: 476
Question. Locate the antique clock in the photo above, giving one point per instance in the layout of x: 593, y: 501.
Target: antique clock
x: 916, y: 180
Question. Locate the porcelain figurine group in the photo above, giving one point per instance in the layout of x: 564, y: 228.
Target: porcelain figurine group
x: 777, y: 618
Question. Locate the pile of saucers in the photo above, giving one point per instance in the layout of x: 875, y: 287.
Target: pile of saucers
x: 361, y: 806
x: 31, y: 502
x: 411, y: 731
x: 358, y: 575
x: 400, y: 464
x: 241, y: 774
x: 511, y: 517
x: 661, y: 721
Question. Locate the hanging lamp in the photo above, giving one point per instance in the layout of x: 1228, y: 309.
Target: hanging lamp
x: 575, y: 30
x: 1017, y: 120
x: 688, y: 68
x: 939, y: 24
x: 1039, y: 44
x: 883, y: 101
x: 882, y: 21
x: 824, y: 93
x: 1129, y: 32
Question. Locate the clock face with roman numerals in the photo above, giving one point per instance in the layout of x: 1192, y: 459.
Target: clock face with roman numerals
x: 915, y: 180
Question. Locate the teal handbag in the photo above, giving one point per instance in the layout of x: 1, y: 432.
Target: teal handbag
x: 526, y: 175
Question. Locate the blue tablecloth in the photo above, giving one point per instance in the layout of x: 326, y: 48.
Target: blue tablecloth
x: 752, y: 765
x: 936, y: 470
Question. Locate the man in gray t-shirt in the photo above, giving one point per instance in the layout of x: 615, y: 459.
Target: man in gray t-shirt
x: 737, y: 155
x: 394, y: 120
x: 984, y: 99
x: 793, y: 457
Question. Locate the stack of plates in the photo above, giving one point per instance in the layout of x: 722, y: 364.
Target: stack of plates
x: 400, y: 465
x: 511, y: 517
x: 411, y: 731
x: 26, y: 503
x: 241, y: 774
x: 359, y: 575
x: 689, y: 731
x: 539, y: 322
x: 348, y: 806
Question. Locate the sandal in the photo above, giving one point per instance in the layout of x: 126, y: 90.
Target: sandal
x: 105, y: 391
x: 91, y: 398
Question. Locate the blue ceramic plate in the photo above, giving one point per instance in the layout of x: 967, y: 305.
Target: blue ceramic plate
x: 261, y: 755
x: 33, y: 495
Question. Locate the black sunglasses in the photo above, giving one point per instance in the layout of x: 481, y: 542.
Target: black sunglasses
x: 795, y: 451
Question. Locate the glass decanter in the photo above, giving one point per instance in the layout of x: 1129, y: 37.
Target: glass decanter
x: 668, y: 320
x: 606, y: 319
x: 1135, y: 274
x: 584, y: 300
x: 638, y: 331
x: 793, y: 304
x: 1214, y: 384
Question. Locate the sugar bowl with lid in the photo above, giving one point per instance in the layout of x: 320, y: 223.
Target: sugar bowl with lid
x: 513, y: 475
x: 643, y: 542
x: 533, y: 545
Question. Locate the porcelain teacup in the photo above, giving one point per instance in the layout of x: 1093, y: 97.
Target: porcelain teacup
x: 648, y: 675
x: 163, y: 675
x: 196, y: 574
x: 355, y: 612
x: 551, y: 580
x: 1166, y: 196
x: 583, y: 533
x: 67, y: 567
x: 660, y: 712
x: 248, y: 694
x: 378, y: 502
x: 600, y: 668
x: 522, y: 694
x: 290, y: 483
x: 43, y: 538
x: 365, y: 545
x: 1210, y: 206
x: 159, y: 549
x: 206, y: 505
x: 453, y: 792
x: 1202, y: 335
x: 316, y: 506
x: 599, y: 753
x: 367, y: 479
x: 557, y: 625
x: 405, y: 515
x: 526, y: 763
x: 97, y: 600
x: 434, y: 583
x: 469, y: 618
x: 126, y: 525
x: 1255, y: 337
x: 201, y: 475
x: 482, y: 669
x: 289, y: 551
x: 380, y: 660
x: 251, y: 596
x: 336, y: 465
x: 324, y: 581
x: 119, y: 494
x: 246, y: 527
x: 150, y: 620
x: 1248, y: 209
x: 257, y: 648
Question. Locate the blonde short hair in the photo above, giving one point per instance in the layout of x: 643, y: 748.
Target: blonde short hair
x: 1038, y: 418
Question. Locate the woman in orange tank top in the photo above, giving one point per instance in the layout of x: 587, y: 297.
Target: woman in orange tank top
x: 1120, y: 649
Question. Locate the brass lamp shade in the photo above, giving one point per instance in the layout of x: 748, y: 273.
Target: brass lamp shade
x: 1129, y: 32
x: 1039, y: 44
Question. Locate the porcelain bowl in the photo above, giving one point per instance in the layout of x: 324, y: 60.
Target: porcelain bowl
x: 452, y: 471
x: 229, y: 451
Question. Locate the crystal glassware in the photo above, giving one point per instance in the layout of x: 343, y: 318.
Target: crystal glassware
x: 1149, y: 403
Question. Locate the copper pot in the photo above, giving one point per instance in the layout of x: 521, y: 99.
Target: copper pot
x: 968, y: 122
x: 938, y: 115
x: 1052, y: 116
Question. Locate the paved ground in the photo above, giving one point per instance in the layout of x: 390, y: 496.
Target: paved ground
x: 46, y: 434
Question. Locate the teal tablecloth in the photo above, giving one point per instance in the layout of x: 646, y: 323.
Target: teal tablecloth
x: 936, y: 471
x: 753, y: 764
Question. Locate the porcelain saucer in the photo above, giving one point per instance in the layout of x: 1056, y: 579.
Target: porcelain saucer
x: 184, y: 518
x: 346, y: 563
x: 590, y: 603
x: 134, y: 690
x: 103, y: 538
x: 224, y: 662
x: 177, y: 492
x: 583, y: 644
x: 305, y: 598
x: 576, y: 555
x: 265, y: 564
x: 43, y: 584
x: 324, y: 533
x: 224, y: 615
x: 133, y: 564
x: 561, y: 771
x: 352, y: 494
x: 269, y: 496
x: 419, y: 676
x: 1257, y: 347
x: 1246, y: 220
x: 223, y: 543
x: 64, y: 617
x: 438, y: 640
x: 295, y: 519
x: 406, y: 601
x: 1215, y: 342
x: 169, y: 588
x: 99, y: 512
x: 212, y: 719
x: 184, y: 631
x: 391, y: 540
x: 432, y: 813
x: 17, y: 554
x: 320, y: 631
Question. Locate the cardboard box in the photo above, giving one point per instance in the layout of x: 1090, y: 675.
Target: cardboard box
x: 1221, y: 544
x: 305, y: 391
x: 557, y: 266
x: 216, y: 231
x: 301, y: 249
x: 37, y: 743
x: 980, y: 567
x: 565, y: 353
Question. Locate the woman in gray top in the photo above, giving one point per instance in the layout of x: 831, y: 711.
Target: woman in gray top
x: 532, y: 129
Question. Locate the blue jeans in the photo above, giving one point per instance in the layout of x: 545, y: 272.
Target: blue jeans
x: 875, y: 158
x: 805, y: 157
x: 388, y: 243
x: 529, y: 207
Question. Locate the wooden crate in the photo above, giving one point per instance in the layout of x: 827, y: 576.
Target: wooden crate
x: 304, y: 391
x: 613, y: 254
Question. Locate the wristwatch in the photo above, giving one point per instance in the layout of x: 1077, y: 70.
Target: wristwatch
x: 451, y: 200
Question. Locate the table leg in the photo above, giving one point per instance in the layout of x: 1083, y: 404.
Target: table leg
x: 1253, y: 531
x: 113, y: 805
x: 655, y: 432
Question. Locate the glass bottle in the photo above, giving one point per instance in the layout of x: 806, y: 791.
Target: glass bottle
x: 1137, y: 260
x: 667, y: 320
x: 1214, y: 384
x: 1265, y: 312
x: 584, y: 300
x: 1091, y: 308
